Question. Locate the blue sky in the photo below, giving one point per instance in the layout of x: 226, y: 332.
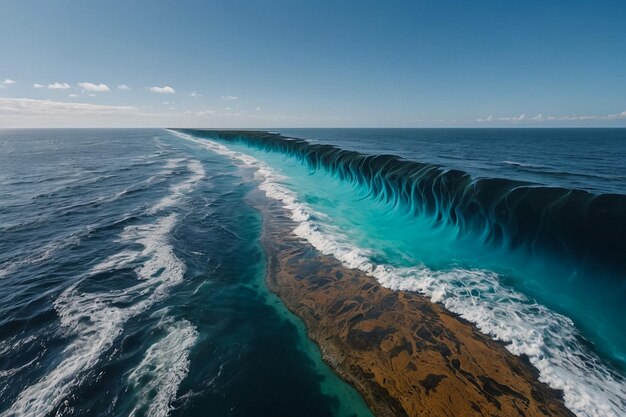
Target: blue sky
x: 324, y: 63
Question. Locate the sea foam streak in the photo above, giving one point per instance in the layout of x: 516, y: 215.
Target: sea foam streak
x: 163, y: 367
x: 94, y: 318
x: 550, y: 340
x: 46, y: 251
x: 179, y: 189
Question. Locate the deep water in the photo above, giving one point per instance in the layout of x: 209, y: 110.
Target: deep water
x: 537, y: 265
x: 132, y: 278
x: 132, y: 283
x: 587, y: 159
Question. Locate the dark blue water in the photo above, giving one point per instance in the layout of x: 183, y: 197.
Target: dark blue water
x: 132, y: 279
x: 132, y: 283
x: 537, y: 265
x: 587, y: 159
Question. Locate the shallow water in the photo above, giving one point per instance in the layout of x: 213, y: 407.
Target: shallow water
x: 132, y: 279
x: 566, y: 318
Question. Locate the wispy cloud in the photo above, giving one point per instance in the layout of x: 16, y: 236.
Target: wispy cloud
x: 7, y: 83
x: 230, y: 98
x: 28, y: 106
x: 59, y: 86
x: 541, y: 118
x: 163, y: 90
x: 205, y: 113
x: 123, y: 87
x: 195, y: 94
x: 100, y: 88
x: 37, y: 85
x: 27, y: 112
x: 73, y: 95
x: 519, y: 118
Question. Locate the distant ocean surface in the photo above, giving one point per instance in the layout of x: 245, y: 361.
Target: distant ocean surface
x: 132, y: 277
x: 588, y: 159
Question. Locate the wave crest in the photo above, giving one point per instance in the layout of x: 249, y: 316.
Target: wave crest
x: 583, y: 228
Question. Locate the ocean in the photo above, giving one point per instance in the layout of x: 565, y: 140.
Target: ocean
x: 132, y: 275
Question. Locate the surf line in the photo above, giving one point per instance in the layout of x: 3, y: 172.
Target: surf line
x: 550, y: 340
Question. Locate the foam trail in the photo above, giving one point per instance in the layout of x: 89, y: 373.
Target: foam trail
x: 178, y: 190
x: 173, y: 163
x: 163, y: 367
x: 550, y: 340
x: 97, y: 322
x: 9, y: 345
x: 95, y: 319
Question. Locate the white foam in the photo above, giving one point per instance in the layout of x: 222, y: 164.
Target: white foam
x: 163, y: 367
x: 550, y: 340
x: 10, y: 372
x: 178, y: 190
x: 45, y: 252
x: 173, y: 163
x: 12, y: 344
x: 95, y: 320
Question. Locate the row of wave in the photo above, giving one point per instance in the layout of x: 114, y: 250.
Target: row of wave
x: 45, y: 250
x: 94, y: 320
x: 548, y: 339
x: 576, y: 226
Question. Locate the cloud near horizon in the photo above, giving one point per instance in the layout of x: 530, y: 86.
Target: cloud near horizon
x: 541, y: 118
x: 162, y: 90
x: 37, y: 113
x: 29, y: 112
x: 7, y: 83
x: 59, y: 86
x: 123, y: 87
x: 29, y: 106
x: 94, y: 87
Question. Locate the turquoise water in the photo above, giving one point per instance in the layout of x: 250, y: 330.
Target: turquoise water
x: 132, y: 284
x: 565, y: 316
x: 132, y: 278
x: 399, y: 238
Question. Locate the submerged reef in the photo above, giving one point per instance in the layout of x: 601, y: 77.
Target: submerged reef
x: 405, y: 355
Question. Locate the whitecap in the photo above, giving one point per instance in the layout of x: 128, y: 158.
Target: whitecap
x: 178, y: 190
x: 94, y: 320
x: 550, y: 340
x: 162, y: 369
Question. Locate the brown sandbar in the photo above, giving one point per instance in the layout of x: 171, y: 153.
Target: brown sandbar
x: 406, y: 355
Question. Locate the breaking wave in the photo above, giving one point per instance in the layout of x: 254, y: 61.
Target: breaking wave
x: 550, y: 340
x: 94, y: 320
x: 579, y: 227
